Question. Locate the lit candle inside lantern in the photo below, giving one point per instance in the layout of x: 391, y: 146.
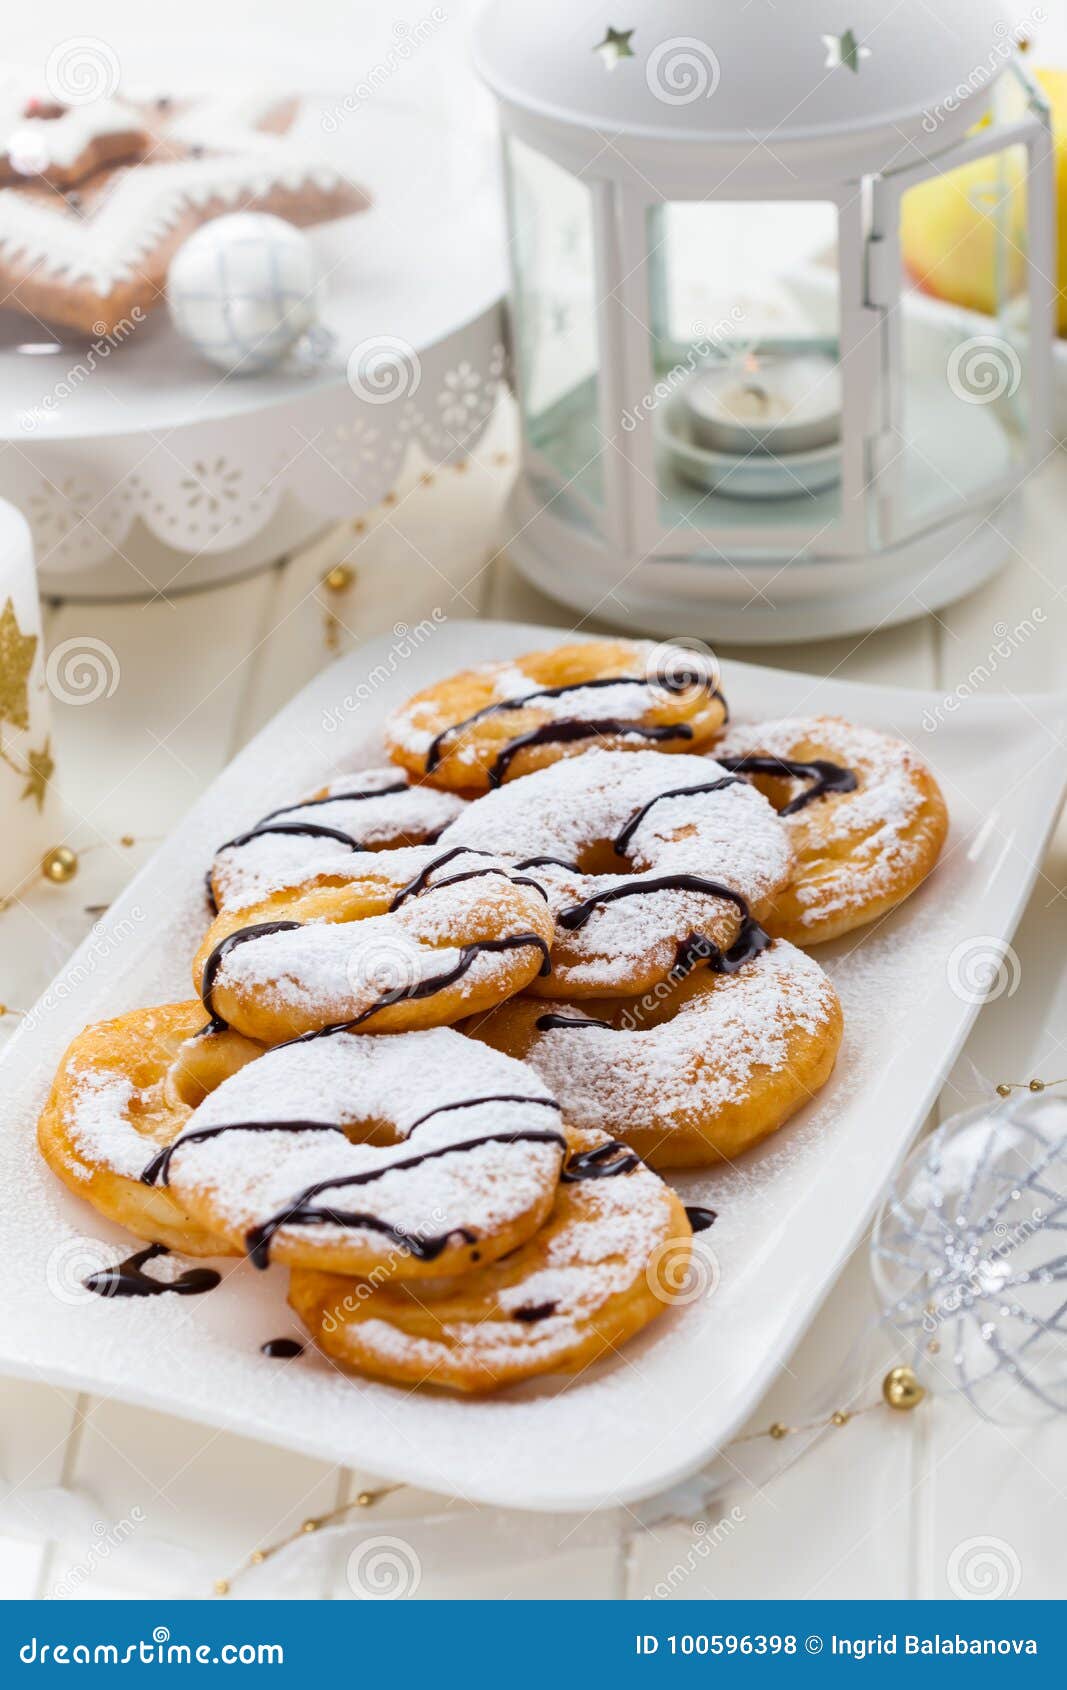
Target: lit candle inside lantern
x: 775, y: 402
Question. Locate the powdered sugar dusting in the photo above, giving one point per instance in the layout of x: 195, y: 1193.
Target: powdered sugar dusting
x: 99, y: 1124
x: 386, y: 1082
x: 245, y: 874
x: 612, y: 1231
x: 337, y: 970
x: 731, y: 835
x: 877, y: 827
x: 705, y: 1057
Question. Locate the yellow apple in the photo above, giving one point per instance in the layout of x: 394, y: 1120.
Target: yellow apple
x: 949, y: 224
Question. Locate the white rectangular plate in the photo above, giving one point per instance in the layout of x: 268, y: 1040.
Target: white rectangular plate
x: 788, y: 1216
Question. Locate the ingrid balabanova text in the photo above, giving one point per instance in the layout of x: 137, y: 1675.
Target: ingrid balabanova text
x: 909, y: 1643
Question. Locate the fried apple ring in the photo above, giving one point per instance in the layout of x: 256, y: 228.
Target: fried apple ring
x: 370, y: 954
x: 123, y: 1091
x: 695, y: 1076
x: 866, y: 818
x: 423, y: 1153
x: 601, y: 1267
x: 638, y: 854
x: 312, y: 841
x: 489, y: 724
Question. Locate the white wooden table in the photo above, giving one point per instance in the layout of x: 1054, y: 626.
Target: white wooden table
x: 106, y: 1500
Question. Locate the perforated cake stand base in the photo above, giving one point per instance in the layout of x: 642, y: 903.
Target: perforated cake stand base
x: 141, y: 469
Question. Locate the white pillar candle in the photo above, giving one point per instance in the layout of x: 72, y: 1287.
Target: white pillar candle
x: 26, y: 801
x: 774, y: 402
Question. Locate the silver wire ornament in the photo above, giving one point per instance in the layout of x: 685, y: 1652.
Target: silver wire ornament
x: 967, y: 1257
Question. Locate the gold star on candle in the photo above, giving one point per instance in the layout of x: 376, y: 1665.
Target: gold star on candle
x: 39, y: 770
x: 615, y: 46
x: 16, y: 660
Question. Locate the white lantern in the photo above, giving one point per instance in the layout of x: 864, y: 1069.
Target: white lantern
x: 745, y: 409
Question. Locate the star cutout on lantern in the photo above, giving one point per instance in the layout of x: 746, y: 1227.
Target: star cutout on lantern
x: 16, y: 660
x: 615, y: 47
x: 39, y: 770
x: 845, y: 50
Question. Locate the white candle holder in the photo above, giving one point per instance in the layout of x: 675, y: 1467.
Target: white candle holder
x: 26, y: 766
x: 681, y: 193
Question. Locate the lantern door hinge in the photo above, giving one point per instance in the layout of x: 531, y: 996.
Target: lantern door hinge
x: 880, y: 281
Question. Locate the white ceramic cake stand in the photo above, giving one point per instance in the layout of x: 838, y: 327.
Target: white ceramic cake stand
x: 141, y: 468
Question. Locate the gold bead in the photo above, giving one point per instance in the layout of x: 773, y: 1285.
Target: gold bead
x: 60, y: 864
x: 339, y: 578
x: 359, y: 526
x: 127, y: 840
x: 364, y: 1499
x: 222, y: 1587
x: 310, y: 1526
x: 461, y: 466
x: 840, y: 1418
x: 778, y: 1430
x: 933, y: 1347
x: 257, y: 1558
x: 3, y: 1009
x: 389, y: 500
x: 901, y: 1390
x: 1003, y: 1090
x: 1037, y: 1085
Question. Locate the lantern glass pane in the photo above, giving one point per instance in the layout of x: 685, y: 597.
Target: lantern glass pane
x: 555, y: 323
x: 962, y: 410
x: 746, y: 405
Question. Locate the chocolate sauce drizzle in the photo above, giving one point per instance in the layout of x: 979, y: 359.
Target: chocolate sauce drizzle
x: 670, y: 683
x: 310, y: 830
x: 700, y: 1219
x: 576, y: 915
x: 422, y: 883
x: 534, y: 1312
x: 158, y: 1170
x: 549, y: 862
x: 304, y: 1211
x: 548, y: 1023
x: 401, y: 994
x: 826, y: 777
x: 622, y: 839
x: 335, y: 798
x: 128, y: 1279
x: 435, y: 983
x: 697, y: 948
x: 571, y: 728
x: 604, y: 1162
x: 299, y: 830
x: 285, y: 1348
x: 259, y: 930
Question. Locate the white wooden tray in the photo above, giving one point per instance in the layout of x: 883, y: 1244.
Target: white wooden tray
x: 788, y: 1216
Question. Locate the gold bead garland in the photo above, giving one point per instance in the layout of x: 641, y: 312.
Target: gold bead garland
x: 364, y: 1499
